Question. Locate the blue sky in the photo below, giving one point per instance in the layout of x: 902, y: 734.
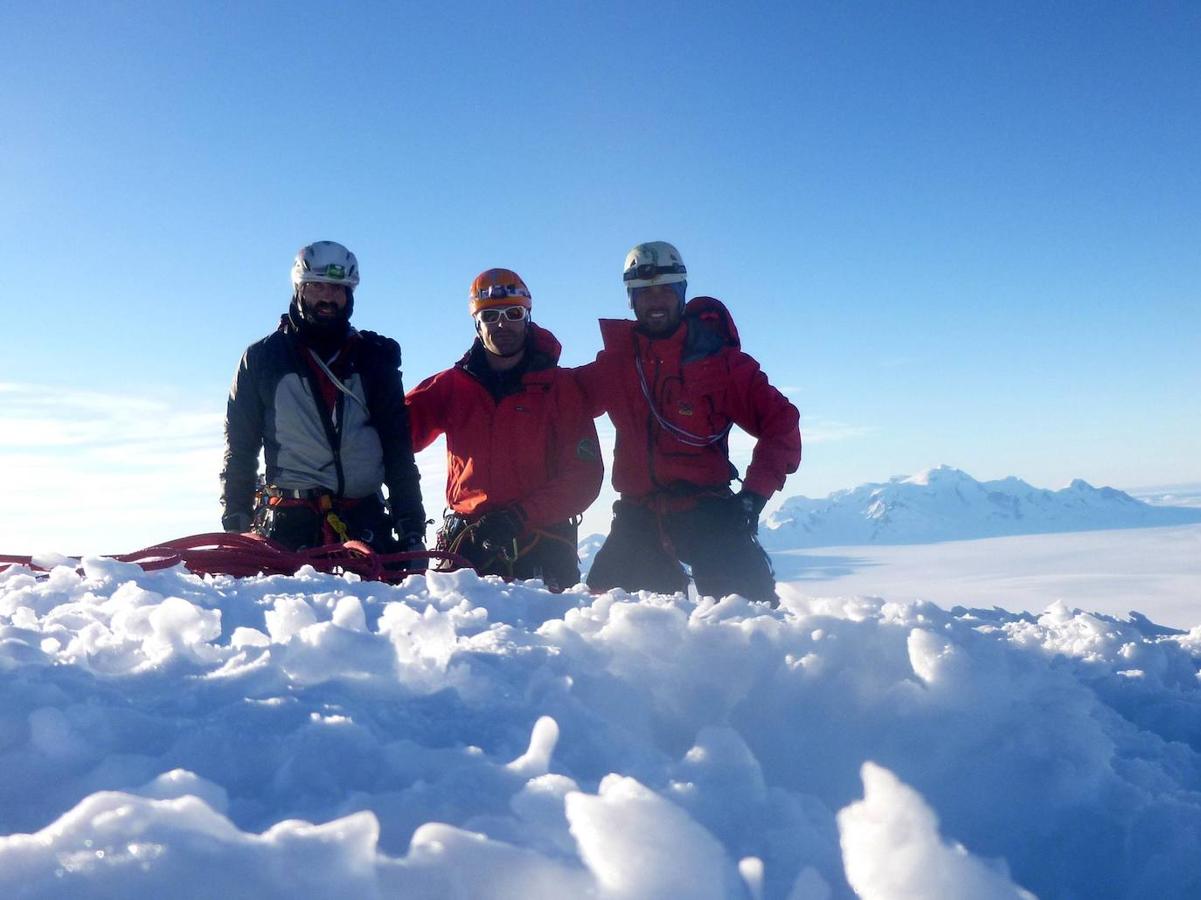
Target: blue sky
x: 960, y: 233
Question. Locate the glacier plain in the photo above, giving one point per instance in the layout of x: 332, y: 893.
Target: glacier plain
x: 164, y: 734
x: 1155, y: 572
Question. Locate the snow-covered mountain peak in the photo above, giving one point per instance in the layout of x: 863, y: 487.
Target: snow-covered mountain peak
x: 944, y: 503
x: 941, y: 475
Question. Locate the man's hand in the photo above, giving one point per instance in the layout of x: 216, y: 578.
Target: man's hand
x: 497, y: 530
x: 237, y: 522
x: 412, y: 543
x: 410, y: 528
x: 750, y: 507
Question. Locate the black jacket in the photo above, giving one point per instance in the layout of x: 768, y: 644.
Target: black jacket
x: 275, y: 405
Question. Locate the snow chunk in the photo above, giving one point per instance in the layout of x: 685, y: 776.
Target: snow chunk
x: 445, y: 861
x: 288, y: 616
x: 349, y: 614
x: 934, y: 659
x: 182, y: 783
x: 639, y: 845
x: 536, y: 760
x: 114, y: 844
x: 891, y: 849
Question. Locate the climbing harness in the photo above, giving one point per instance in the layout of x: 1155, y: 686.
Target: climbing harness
x: 456, y: 530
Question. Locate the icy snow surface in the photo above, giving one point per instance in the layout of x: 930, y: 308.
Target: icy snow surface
x: 1151, y: 571
x: 163, y: 735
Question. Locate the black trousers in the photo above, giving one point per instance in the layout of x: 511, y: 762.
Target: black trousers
x: 298, y: 524
x: 644, y: 550
x: 548, y: 553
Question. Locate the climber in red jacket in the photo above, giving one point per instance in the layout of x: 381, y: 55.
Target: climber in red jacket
x: 522, y: 454
x: 674, y: 382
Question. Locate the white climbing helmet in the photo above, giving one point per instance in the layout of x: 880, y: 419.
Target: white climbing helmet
x: 327, y: 262
x: 655, y: 262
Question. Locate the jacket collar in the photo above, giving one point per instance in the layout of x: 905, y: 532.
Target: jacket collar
x: 706, y: 329
x: 622, y: 336
x: 326, y: 348
x: 541, y: 347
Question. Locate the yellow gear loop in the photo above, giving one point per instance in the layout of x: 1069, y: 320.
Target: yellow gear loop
x: 338, y: 526
x: 327, y: 506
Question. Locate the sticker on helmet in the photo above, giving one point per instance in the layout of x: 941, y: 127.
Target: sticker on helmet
x: 333, y: 270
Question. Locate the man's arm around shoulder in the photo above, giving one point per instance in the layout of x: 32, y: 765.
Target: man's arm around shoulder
x: 591, y: 380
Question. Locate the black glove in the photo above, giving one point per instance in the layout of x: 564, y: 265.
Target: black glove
x: 497, y: 530
x: 750, y: 506
x: 409, y: 528
x: 412, y: 543
x: 237, y: 522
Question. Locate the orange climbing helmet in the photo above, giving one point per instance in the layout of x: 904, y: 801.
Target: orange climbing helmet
x: 498, y: 287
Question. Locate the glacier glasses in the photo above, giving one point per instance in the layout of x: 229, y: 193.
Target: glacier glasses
x: 495, y: 314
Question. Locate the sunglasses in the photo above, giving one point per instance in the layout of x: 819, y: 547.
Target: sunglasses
x: 512, y: 313
x: 317, y: 291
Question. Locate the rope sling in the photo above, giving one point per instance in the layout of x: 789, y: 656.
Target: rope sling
x: 245, y: 555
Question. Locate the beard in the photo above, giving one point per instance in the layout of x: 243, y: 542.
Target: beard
x: 324, y: 333
x: 659, y: 327
x: 507, y: 346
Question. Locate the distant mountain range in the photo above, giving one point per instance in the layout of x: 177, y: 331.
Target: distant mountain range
x: 945, y: 504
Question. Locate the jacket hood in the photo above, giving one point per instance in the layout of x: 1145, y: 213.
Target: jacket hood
x: 712, y: 313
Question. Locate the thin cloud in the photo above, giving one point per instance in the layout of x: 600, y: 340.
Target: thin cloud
x: 813, y: 431
x: 50, y: 419
x: 826, y: 431
x: 90, y: 469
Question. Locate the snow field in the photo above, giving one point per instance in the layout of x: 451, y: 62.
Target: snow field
x: 162, y: 734
x: 1155, y: 572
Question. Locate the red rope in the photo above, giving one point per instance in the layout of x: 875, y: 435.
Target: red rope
x: 244, y: 555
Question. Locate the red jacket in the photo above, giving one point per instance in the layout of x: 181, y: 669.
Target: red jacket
x: 535, y: 446
x: 700, y: 382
